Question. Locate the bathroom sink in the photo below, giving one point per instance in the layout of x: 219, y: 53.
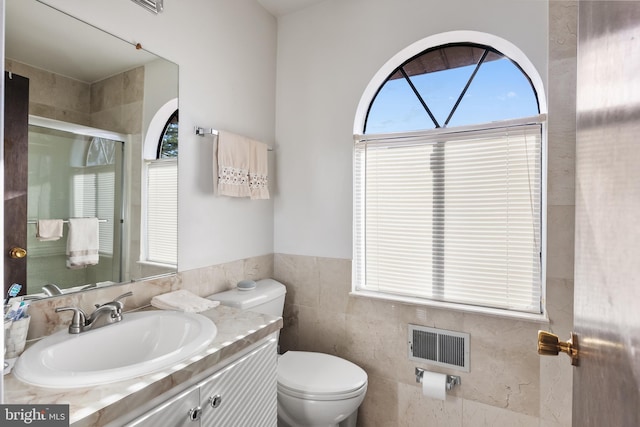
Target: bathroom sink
x: 140, y: 344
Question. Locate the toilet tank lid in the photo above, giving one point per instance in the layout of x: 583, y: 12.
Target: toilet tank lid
x: 319, y: 373
x: 266, y: 290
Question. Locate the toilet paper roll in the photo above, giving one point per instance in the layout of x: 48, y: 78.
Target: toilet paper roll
x: 434, y: 385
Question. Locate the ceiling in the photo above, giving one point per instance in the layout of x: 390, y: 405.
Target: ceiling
x: 283, y: 7
x: 65, y: 45
x: 95, y: 54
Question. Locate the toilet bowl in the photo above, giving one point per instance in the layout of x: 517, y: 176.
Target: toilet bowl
x: 314, y: 389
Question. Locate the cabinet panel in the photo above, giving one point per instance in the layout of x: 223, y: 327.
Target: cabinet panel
x: 173, y: 413
x: 244, y: 393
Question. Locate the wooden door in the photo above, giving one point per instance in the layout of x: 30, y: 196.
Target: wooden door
x: 16, y: 127
x: 606, y: 384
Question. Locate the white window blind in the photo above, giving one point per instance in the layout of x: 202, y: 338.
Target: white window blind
x: 451, y: 217
x: 162, y: 211
x: 94, y: 192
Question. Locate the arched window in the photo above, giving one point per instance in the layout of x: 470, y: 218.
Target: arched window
x: 160, y: 214
x: 448, y: 182
x: 452, y: 85
x: 168, y: 143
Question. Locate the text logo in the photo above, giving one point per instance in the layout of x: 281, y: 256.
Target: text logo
x: 34, y: 415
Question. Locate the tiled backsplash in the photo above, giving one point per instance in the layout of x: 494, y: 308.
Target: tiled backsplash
x: 320, y: 315
x: 507, y: 385
x: 202, y: 282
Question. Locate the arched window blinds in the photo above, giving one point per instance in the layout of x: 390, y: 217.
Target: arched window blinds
x: 448, y: 183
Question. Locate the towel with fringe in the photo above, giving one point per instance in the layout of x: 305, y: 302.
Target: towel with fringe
x: 259, y: 171
x: 49, y: 229
x: 82, y: 242
x: 242, y: 167
x: 183, y: 300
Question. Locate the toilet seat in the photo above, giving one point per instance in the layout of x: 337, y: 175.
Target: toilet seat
x: 321, y: 396
x: 319, y: 376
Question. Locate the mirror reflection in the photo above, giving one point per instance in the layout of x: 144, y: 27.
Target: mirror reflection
x: 72, y: 175
x: 94, y: 122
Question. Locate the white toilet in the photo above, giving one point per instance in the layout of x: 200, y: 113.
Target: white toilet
x: 314, y: 389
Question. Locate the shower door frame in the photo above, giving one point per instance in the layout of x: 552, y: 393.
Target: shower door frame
x: 120, y: 233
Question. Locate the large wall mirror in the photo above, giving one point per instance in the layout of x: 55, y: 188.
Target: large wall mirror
x: 91, y: 133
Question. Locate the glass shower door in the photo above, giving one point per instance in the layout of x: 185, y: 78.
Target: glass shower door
x: 73, y: 176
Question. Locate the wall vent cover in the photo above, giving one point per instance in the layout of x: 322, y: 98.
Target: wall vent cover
x: 439, y: 347
x: 155, y: 6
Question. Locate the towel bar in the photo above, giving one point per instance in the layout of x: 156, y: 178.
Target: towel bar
x: 209, y: 131
x: 202, y: 131
x: 33, y: 221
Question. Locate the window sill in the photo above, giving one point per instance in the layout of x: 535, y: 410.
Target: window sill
x: 157, y: 264
x: 494, y: 312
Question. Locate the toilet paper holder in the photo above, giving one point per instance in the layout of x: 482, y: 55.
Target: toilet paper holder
x: 452, y: 380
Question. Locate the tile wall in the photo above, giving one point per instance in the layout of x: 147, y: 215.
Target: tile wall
x: 54, y: 96
x: 202, y: 282
x: 504, y: 382
x: 556, y: 378
x: 114, y: 103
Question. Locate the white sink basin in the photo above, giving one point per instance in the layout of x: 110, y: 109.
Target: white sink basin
x: 140, y: 344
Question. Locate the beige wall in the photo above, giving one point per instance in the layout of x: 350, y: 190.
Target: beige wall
x: 555, y: 372
x: 504, y: 381
x: 509, y: 384
x: 54, y: 96
x: 114, y: 103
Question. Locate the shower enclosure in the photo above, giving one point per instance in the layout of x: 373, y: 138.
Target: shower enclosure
x: 74, y: 172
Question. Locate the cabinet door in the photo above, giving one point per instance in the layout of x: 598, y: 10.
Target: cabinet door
x: 180, y: 411
x: 243, y: 394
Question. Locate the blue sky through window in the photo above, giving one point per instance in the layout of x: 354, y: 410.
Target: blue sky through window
x: 499, y: 91
x: 441, y: 89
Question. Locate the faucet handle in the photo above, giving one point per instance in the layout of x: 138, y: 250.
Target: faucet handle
x: 117, y: 299
x: 78, y: 321
x: 128, y: 294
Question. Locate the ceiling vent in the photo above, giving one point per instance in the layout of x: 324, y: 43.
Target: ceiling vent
x: 154, y: 6
x: 439, y: 347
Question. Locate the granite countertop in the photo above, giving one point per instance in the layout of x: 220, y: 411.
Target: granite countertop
x: 98, y: 405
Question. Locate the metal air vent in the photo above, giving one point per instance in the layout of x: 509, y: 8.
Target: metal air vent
x: 154, y: 6
x: 439, y: 347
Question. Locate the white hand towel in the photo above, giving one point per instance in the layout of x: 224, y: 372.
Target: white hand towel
x: 48, y: 229
x: 183, y: 300
x: 258, y: 171
x: 82, y: 242
x: 234, y: 153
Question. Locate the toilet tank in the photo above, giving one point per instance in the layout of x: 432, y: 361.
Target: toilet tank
x: 267, y: 297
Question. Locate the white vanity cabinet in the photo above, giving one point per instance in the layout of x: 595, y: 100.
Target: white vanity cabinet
x: 178, y: 411
x: 240, y: 393
x: 244, y: 393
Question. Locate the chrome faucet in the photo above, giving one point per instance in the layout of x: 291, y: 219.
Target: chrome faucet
x: 105, y: 314
x: 51, y: 289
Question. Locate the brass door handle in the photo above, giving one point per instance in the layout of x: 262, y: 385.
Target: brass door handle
x: 17, y: 253
x: 550, y: 345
